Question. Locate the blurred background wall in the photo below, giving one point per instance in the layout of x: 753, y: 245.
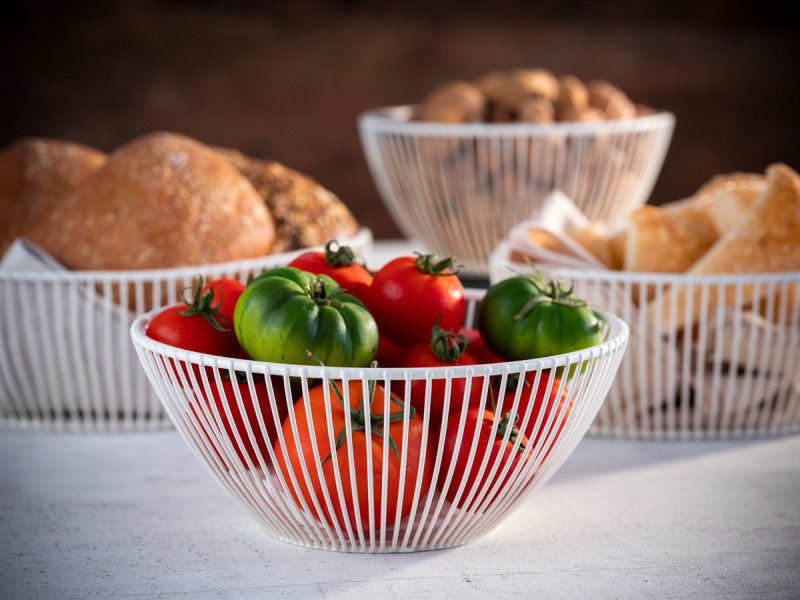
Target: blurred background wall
x: 287, y: 80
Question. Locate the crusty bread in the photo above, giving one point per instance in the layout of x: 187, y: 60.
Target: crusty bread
x: 669, y: 238
x: 732, y: 195
x: 595, y: 238
x: 617, y: 243
x: 161, y: 200
x: 453, y: 102
x: 305, y: 213
x: 35, y: 175
x: 766, y: 239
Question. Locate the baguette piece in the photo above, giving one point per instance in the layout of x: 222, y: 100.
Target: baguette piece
x: 596, y: 239
x: 162, y: 200
x: 733, y: 195
x: 766, y: 239
x: 36, y: 174
x: 669, y: 238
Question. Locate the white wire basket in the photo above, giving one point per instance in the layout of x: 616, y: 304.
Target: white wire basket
x: 418, y: 502
x: 459, y: 188
x: 66, y: 358
x: 711, y: 357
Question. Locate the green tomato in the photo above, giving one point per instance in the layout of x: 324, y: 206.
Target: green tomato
x: 528, y: 316
x: 285, y: 313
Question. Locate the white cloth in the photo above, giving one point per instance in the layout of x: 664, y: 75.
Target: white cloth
x: 66, y: 348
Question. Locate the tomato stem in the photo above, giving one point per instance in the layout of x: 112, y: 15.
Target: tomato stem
x: 361, y: 417
x: 506, y: 421
x: 339, y: 256
x: 318, y: 290
x: 549, y: 291
x: 202, y: 304
x: 431, y: 265
x: 447, y: 346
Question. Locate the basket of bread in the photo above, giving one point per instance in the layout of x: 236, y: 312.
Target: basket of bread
x: 710, y: 286
x: 387, y: 417
x: 473, y: 158
x: 88, y: 240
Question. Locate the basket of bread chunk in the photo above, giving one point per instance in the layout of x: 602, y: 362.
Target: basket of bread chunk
x: 710, y: 286
x: 89, y: 239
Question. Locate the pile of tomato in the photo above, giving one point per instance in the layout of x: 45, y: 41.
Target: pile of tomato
x: 325, y: 308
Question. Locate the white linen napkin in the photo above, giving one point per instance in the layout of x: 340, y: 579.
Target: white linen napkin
x: 544, y: 238
x: 65, y: 345
x: 24, y: 255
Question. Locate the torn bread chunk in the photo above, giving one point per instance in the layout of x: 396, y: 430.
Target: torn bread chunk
x: 732, y: 196
x: 765, y: 240
x: 669, y: 238
x: 596, y: 239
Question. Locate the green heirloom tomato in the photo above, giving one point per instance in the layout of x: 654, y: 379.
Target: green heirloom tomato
x: 528, y: 316
x: 284, y: 313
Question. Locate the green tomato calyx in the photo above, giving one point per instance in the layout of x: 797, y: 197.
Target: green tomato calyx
x: 431, y: 265
x: 202, y: 304
x: 447, y: 346
x: 321, y: 290
x: 549, y: 291
x: 361, y: 418
x: 339, y: 256
x: 506, y: 421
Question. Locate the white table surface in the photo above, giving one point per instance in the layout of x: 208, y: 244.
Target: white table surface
x: 135, y: 515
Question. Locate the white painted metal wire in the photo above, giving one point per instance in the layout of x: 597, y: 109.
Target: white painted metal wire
x: 66, y: 358
x: 251, y: 473
x: 460, y: 188
x: 731, y: 372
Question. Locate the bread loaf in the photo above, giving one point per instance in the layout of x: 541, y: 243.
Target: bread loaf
x: 35, y: 175
x: 161, y: 200
x: 305, y: 213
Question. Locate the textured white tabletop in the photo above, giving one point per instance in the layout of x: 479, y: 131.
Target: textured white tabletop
x: 135, y: 515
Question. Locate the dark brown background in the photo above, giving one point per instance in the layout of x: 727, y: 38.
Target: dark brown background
x: 287, y: 80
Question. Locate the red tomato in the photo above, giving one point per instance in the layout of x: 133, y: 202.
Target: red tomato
x: 253, y: 405
x: 477, y: 348
x: 339, y: 263
x: 335, y: 459
x: 536, y: 396
x: 477, y: 433
x: 409, y: 293
x: 226, y: 294
x: 199, y: 326
x: 387, y: 351
x: 442, y: 350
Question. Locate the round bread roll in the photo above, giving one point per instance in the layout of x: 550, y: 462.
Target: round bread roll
x: 453, y: 102
x: 36, y: 174
x: 162, y: 200
x: 306, y: 214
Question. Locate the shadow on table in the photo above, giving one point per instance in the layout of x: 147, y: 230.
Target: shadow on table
x: 595, y: 456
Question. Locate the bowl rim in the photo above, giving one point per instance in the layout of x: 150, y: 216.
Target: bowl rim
x: 396, y: 119
x: 363, y: 236
x: 617, y: 340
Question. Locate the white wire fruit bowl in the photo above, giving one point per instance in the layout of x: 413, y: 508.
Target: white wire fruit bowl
x: 459, y: 188
x: 322, y: 500
x: 66, y: 358
x: 710, y: 357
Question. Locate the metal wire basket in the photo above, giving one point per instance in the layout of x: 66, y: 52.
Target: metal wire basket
x: 66, y: 359
x: 400, y: 492
x: 711, y: 356
x: 459, y: 188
